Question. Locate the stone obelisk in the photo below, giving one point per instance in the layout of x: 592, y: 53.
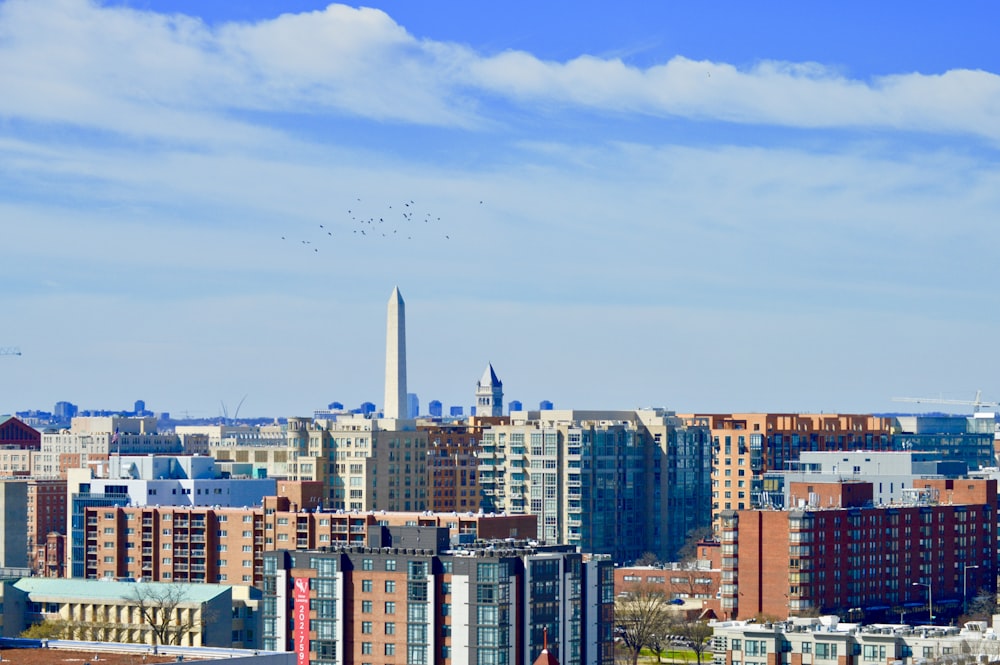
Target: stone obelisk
x: 395, y: 358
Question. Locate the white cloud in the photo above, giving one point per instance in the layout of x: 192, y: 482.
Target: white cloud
x: 145, y: 74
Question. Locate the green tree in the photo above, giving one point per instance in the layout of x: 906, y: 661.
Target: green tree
x: 48, y: 629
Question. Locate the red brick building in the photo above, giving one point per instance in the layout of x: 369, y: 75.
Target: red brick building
x: 841, y: 553
x: 16, y: 434
x: 46, y: 515
x: 218, y: 544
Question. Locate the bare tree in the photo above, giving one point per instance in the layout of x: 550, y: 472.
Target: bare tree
x: 983, y: 606
x: 695, y: 632
x: 647, y: 559
x: 642, y: 614
x: 689, y: 550
x: 163, y: 610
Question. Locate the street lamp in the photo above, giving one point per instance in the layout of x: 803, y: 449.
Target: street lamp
x: 930, y: 601
x: 965, y: 586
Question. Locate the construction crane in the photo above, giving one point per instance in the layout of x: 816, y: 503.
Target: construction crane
x: 976, y: 404
x: 9, y: 351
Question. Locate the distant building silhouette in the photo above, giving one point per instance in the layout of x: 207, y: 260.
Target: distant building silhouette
x: 65, y: 410
x: 335, y: 406
x: 367, y: 408
x: 514, y: 405
x: 434, y: 408
x: 545, y: 405
x: 140, y: 407
x: 456, y: 411
x: 412, y: 405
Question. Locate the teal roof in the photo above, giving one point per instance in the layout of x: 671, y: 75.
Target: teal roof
x: 62, y: 589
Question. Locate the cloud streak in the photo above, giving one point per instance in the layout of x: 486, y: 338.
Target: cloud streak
x: 173, y: 77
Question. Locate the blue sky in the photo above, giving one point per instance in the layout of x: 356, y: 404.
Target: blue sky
x: 702, y: 206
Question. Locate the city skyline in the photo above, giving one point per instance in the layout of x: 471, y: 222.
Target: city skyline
x: 746, y: 211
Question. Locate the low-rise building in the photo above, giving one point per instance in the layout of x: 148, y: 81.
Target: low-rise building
x: 826, y: 640
x: 136, y: 612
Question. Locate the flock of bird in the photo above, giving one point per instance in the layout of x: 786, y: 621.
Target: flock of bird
x: 401, y: 221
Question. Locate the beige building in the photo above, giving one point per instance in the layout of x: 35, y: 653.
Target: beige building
x: 95, y: 438
x: 182, y: 614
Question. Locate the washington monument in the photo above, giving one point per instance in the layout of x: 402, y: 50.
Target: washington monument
x: 395, y: 358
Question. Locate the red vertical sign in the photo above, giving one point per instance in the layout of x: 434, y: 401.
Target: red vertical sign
x: 301, y: 613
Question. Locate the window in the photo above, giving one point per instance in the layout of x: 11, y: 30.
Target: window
x: 390, y: 586
x: 367, y: 564
x: 390, y: 628
x: 390, y: 607
x: 390, y: 564
x: 366, y: 627
x: 366, y: 647
x: 390, y: 649
x: 366, y: 607
x: 366, y: 586
x: 826, y: 651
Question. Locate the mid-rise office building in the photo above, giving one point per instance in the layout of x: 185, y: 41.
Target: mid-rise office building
x: 410, y: 596
x: 836, y: 550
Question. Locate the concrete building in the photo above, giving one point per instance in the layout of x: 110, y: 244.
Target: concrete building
x: 191, y: 615
x: 620, y: 483
x: 839, y: 551
x: 409, y: 597
x: 14, y: 539
x: 892, y: 473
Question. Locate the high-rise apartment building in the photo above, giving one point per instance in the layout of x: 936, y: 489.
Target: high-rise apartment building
x: 747, y: 445
x: 409, y: 596
x: 837, y: 550
x: 612, y: 482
